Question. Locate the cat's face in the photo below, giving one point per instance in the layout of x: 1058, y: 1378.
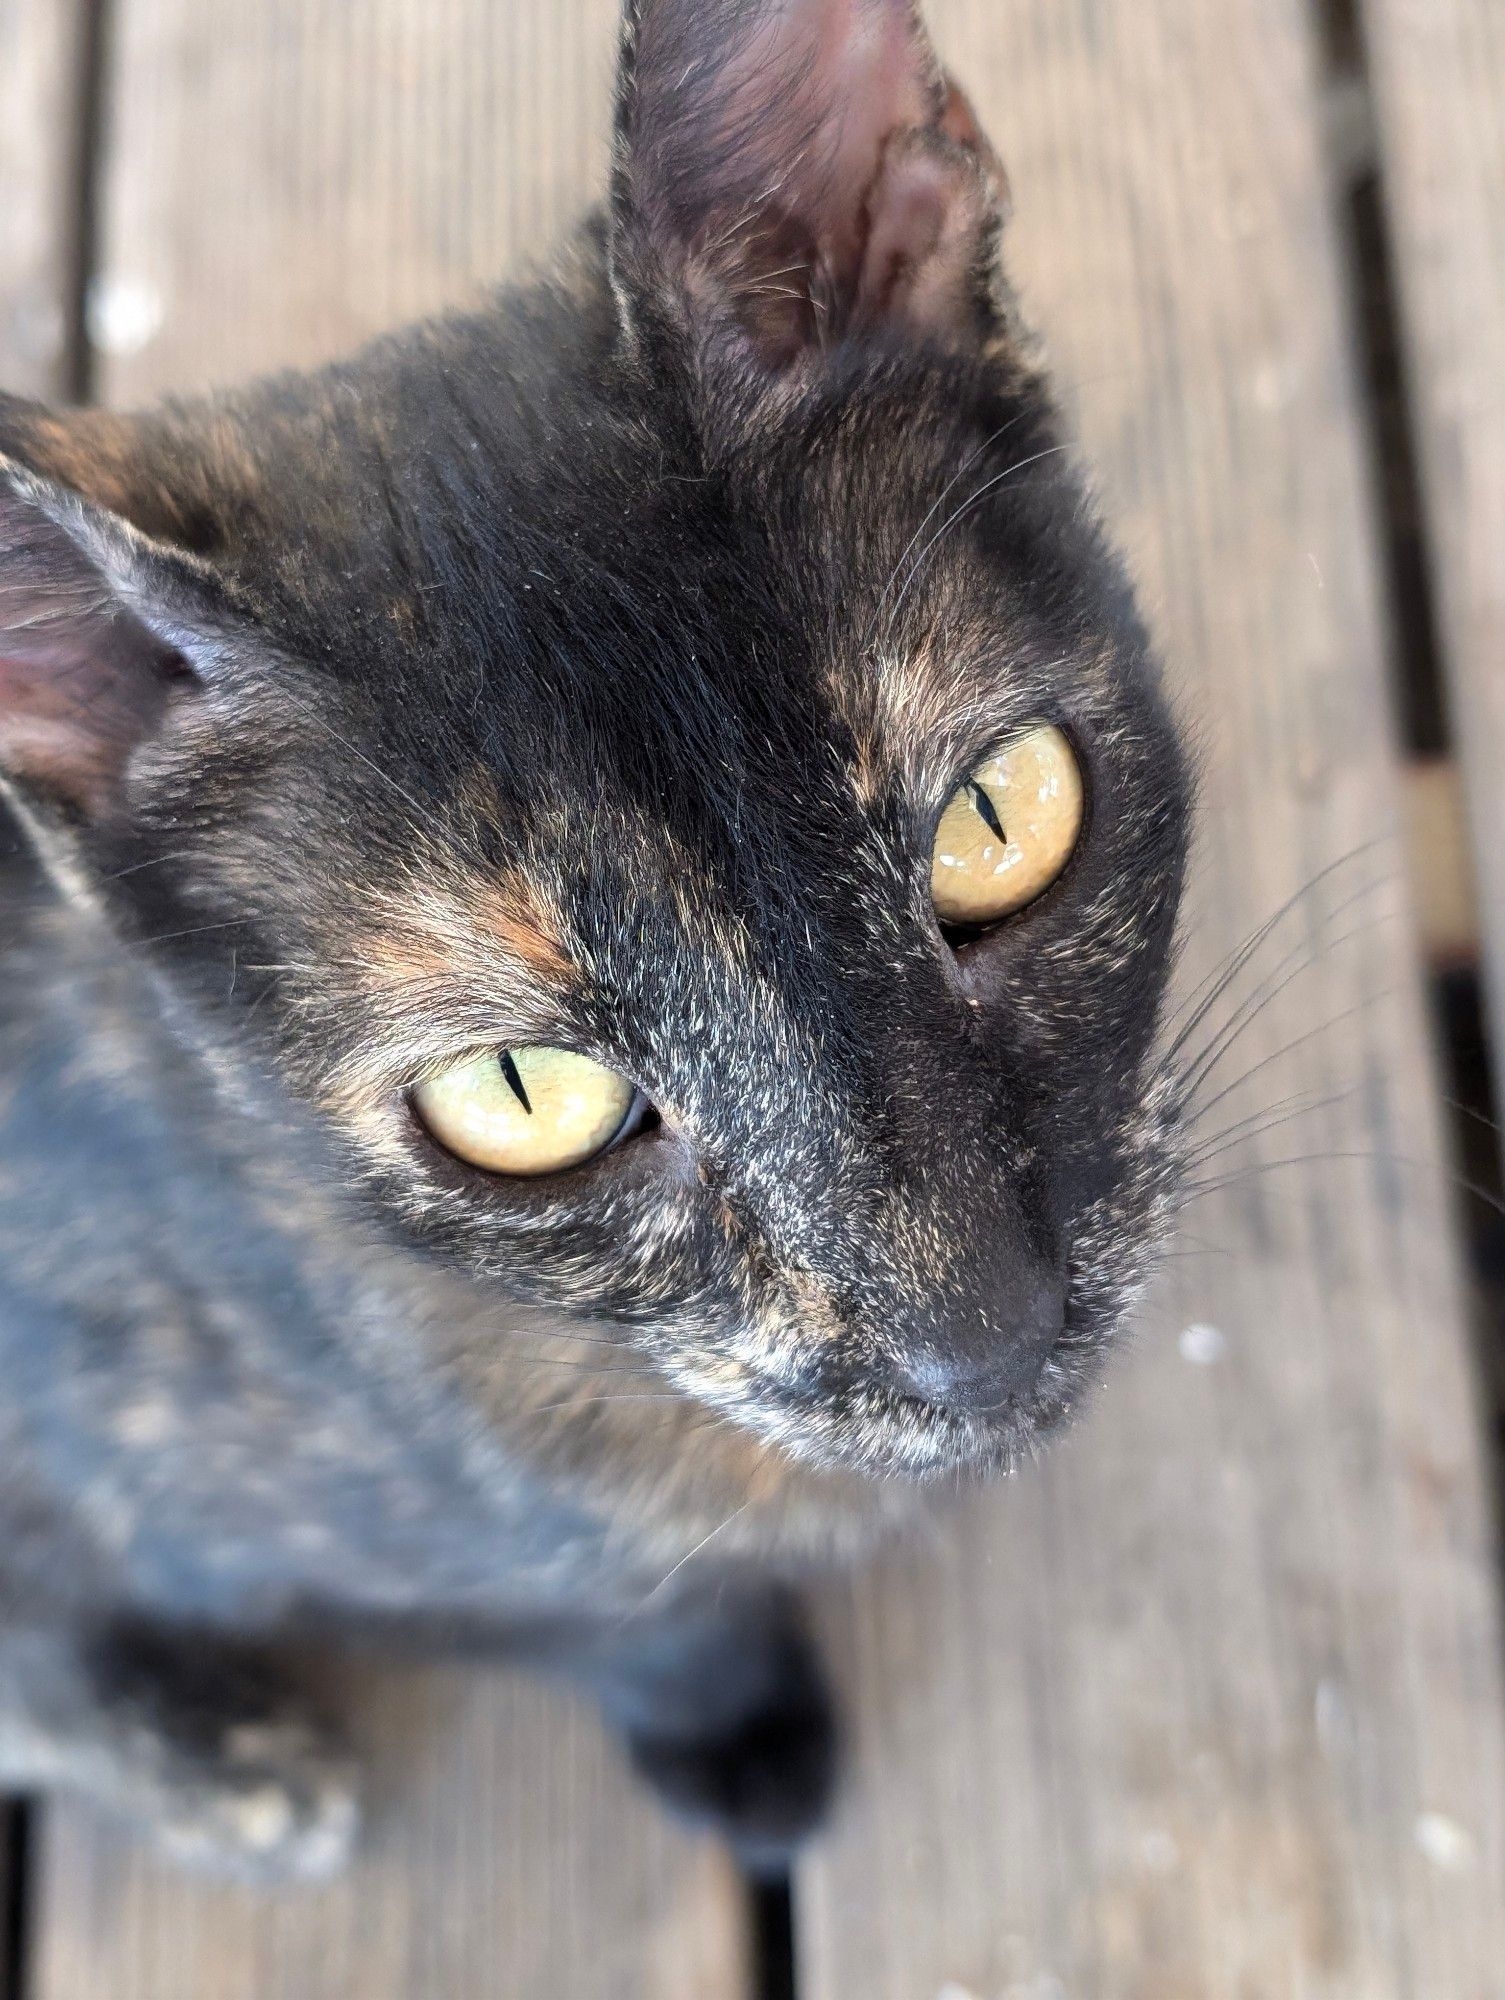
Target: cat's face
x: 593, y: 676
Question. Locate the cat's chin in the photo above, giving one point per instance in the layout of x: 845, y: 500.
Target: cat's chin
x: 886, y: 1435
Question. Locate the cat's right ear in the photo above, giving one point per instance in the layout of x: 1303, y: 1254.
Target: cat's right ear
x: 791, y: 173
x: 101, y: 630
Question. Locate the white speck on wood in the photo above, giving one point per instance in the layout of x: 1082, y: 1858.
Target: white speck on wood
x: 1202, y: 1344
x: 1447, y: 1845
x: 125, y: 314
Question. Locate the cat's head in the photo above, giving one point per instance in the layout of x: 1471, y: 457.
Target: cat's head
x: 703, y: 664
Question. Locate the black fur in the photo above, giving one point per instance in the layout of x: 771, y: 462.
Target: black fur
x: 588, y: 670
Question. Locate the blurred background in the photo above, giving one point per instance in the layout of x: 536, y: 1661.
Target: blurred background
x: 1208, y: 1706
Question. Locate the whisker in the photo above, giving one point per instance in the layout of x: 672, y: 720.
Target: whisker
x: 934, y: 508
x: 669, y: 1576
x: 1259, y: 1125
x: 194, y: 930
x: 627, y: 1396
x: 1262, y: 1111
x: 156, y: 861
x: 1294, y: 1106
x: 1472, y: 1111
x: 958, y: 516
x: 566, y: 1333
x: 1198, y: 1190
x: 1264, y: 994
x: 426, y: 819
x: 1314, y: 942
x: 1251, y: 944
x: 1289, y: 1048
x: 588, y: 1367
x: 1203, y: 1243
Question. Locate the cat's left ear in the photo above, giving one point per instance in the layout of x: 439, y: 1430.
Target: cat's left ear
x: 101, y: 629
x: 800, y: 170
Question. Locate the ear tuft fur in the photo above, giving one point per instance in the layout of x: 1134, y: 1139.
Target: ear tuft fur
x: 803, y: 170
x: 85, y: 671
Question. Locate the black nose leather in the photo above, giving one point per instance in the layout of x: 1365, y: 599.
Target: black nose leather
x: 976, y: 1355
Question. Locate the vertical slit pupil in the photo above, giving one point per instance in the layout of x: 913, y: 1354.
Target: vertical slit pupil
x: 514, y: 1081
x: 987, y: 812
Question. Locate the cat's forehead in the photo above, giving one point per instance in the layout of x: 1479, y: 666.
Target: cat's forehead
x: 667, y: 596
x: 618, y: 644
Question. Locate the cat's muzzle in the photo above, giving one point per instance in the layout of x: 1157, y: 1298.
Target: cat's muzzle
x: 923, y: 1416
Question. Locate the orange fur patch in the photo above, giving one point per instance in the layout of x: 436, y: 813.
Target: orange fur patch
x: 446, y: 961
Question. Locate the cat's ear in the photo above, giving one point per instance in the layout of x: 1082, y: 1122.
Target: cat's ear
x: 101, y: 628
x: 801, y: 170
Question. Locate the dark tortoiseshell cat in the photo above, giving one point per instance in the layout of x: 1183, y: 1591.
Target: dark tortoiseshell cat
x: 587, y: 901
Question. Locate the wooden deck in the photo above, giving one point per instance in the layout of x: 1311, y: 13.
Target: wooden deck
x: 1211, y: 1705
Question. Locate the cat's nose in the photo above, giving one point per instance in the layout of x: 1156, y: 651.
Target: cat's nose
x: 975, y: 1362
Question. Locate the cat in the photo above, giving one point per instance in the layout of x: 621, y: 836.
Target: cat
x: 588, y: 903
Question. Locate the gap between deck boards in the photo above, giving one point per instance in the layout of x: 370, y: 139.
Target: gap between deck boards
x: 1358, y: 164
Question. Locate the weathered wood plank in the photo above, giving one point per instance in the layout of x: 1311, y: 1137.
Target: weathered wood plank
x: 286, y: 181
x: 1438, y: 71
x: 510, y: 1858
x: 1209, y: 1704
x: 40, y: 51
x: 282, y: 181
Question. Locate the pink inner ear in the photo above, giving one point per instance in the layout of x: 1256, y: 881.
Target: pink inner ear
x: 869, y: 75
x: 82, y: 680
x: 65, y: 724
x: 804, y: 161
x: 926, y: 219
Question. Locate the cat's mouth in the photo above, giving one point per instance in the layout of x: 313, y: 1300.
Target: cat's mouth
x: 882, y: 1428
x: 886, y: 1433
x: 890, y: 1434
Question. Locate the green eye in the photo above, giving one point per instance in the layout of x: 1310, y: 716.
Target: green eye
x: 1008, y: 830
x: 525, y: 1111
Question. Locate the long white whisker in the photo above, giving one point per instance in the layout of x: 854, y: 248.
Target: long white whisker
x: 935, y: 506
x: 959, y: 515
x: 665, y: 1580
x: 1249, y: 1010
x: 1243, y: 956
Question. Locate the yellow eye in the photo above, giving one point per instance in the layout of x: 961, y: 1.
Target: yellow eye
x: 525, y: 1111
x: 1008, y: 830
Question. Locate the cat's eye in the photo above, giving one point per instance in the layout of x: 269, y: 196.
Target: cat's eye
x: 526, y: 1111
x: 1008, y: 830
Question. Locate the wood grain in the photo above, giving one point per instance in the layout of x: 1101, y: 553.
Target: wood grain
x: 281, y: 181
x: 1209, y: 1703
x: 287, y: 180
x: 40, y: 50
x: 1438, y: 73
x: 1442, y: 862
x: 510, y: 1856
